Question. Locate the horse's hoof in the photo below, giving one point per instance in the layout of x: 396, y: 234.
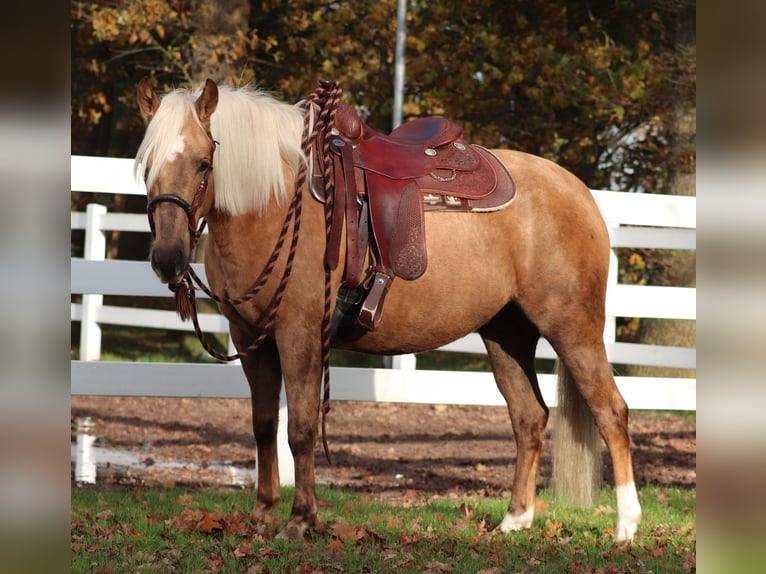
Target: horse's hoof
x: 263, y: 511
x: 626, y: 530
x: 512, y: 523
x: 295, y: 530
x: 628, y: 513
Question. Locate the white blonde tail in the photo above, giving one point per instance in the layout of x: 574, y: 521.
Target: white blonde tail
x: 577, y: 462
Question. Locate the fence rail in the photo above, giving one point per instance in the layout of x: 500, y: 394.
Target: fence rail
x: 634, y: 220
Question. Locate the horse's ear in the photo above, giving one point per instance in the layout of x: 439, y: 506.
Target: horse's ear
x: 207, y: 101
x: 148, y: 100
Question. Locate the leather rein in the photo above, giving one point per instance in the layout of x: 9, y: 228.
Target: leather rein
x: 326, y: 98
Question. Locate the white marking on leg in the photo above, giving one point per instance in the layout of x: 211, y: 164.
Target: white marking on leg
x: 628, y: 512
x: 511, y: 523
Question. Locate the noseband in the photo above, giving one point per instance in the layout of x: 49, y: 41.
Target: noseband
x: 190, y: 209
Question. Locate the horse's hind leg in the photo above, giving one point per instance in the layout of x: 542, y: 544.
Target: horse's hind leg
x: 511, y: 340
x: 264, y: 375
x: 585, y: 358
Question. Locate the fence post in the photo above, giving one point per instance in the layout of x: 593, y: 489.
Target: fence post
x: 613, y: 277
x: 95, y: 249
x: 406, y: 362
x: 285, y: 461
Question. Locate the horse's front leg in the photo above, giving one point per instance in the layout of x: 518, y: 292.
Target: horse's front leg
x: 264, y: 375
x: 302, y: 368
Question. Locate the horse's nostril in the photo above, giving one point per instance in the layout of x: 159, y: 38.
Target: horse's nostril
x: 168, y: 264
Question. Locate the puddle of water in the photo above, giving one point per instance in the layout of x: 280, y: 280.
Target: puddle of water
x: 90, y: 462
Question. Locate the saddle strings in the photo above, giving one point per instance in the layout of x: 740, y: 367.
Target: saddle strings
x: 326, y: 98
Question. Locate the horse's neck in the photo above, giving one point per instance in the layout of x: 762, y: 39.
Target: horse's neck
x: 250, y: 233
x: 246, y: 237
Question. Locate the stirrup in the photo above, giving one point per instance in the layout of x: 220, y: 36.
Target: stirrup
x: 371, y: 312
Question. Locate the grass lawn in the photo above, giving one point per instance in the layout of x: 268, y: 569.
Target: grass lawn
x: 148, y: 530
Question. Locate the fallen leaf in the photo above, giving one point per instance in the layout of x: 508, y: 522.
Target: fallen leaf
x: 348, y: 532
x: 210, y: 522
x: 104, y: 514
x: 663, y: 498
x: 415, y: 524
x: 602, y: 510
x: 185, y: 500
x: 244, y: 549
x: 553, y: 528
x: 215, y: 562
x: 468, y: 511
x: 436, y: 566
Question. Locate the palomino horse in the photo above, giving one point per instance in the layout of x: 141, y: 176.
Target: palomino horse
x: 536, y: 268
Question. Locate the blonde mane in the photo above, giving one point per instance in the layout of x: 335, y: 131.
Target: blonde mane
x: 255, y: 132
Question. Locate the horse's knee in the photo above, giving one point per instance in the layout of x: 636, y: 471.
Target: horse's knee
x: 301, y: 438
x: 265, y: 431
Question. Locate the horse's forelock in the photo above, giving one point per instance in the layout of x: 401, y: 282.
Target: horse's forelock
x: 161, y: 138
x: 256, y: 134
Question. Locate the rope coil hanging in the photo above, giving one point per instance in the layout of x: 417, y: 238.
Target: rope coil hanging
x: 326, y: 98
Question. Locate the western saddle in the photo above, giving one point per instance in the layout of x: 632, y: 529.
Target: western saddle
x: 383, y: 184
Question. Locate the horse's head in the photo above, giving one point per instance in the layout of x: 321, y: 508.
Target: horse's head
x: 177, y: 158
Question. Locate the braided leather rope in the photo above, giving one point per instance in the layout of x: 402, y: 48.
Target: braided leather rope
x: 326, y: 98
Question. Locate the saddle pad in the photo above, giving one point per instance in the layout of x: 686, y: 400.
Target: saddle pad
x: 488, y: 188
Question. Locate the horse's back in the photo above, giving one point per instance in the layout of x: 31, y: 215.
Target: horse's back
x: 548, y: 237
x: 543, y: 186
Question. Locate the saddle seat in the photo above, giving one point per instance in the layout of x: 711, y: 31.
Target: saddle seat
x: 429, y: 132
x: 383, y: 184
x: 414, y: 149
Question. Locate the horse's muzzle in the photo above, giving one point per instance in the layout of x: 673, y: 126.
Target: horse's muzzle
x: 169, y: 263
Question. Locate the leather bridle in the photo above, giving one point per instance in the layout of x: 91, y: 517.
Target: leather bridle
x: 327, y: 99
x: 190, y: 209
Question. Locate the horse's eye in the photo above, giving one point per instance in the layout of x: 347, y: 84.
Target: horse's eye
x: 204, y: 165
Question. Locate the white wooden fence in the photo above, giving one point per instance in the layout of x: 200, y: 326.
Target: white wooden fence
x: 635, y: 220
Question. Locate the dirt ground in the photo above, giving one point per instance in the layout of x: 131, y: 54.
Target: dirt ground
x: 401, y: 452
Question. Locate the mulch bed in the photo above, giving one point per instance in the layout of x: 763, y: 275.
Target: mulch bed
x: 401, y: 452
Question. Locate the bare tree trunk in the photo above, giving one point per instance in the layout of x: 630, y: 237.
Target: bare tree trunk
x: 679, y: 265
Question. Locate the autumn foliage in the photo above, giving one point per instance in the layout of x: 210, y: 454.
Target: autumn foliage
x: 592, y: 85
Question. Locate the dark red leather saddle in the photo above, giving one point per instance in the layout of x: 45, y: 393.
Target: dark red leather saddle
x: 384, y: 184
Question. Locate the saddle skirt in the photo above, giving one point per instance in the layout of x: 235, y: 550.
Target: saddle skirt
x: 383, y: 185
